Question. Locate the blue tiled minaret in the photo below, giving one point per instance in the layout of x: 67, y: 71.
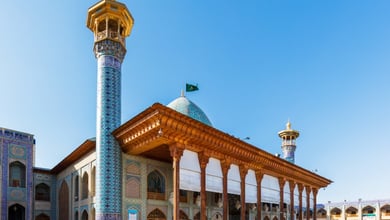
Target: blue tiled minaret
x: 288, y: 137
x: 111, y: 23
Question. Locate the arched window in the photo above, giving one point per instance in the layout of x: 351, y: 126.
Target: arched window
x: 17, y: 174
x: 156, y: 214
x: 368, y: 210
x: 76, y: 188
x: 156, y: 182
x: 85, y: 186
x: 42, y: 216
x: 84, y: 216
x: 156, y: 186
x: 183, y: 215
x: 16, y: 212
x: 93, y: 181
x: 385, y: 210
x: 63, y: 202
x: 42, y: 192
x: 351, y: 212
x: 321, y: 213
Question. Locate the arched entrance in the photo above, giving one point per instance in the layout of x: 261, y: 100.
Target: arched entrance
x: 84, y: 216
x: 42, y: 216
x: 156, y: 214
x: 63, y: 202
x: 183, y: 215
x: 16, y: 212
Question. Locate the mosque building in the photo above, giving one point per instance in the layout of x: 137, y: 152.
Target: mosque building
x: 355, y: 210
x: 167, y: 162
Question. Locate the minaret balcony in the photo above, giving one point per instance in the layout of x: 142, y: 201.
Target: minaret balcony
x: 112, y: 35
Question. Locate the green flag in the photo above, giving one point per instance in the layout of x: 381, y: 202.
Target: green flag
x: 191, y: 88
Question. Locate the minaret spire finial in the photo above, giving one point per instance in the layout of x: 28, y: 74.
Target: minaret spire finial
x: 288, y: 125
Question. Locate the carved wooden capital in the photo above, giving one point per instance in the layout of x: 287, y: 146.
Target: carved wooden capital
x: 243, y: 171
x: 281, y: 181
x: 315, y: 192
x: 308, y: 190
x: 176, y: 151
x: 300, y: 187
x: 259, y: 176
x: 203, y: 159
x: 292, y: 186
x: 225, y: 166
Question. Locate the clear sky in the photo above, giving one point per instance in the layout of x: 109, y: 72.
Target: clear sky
x: 323, y: 64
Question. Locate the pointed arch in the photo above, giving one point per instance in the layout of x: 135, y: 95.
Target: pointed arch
x: 84, y: 216
x: 84, y: 187
x: 156, y: 185
x: 63, y: 202
x: 42, y: 192
x: 17, y: 174
x: 183, y: 215
x: 335, y: 213
x: 156, y: 214
x: 368, y: 210
x: 42, y: 216
x: 385, y: 210
x: 16, y: 211
x: 351, y: 211
x: 76, y: 182
x: 93, y: 181
x: 321, y: 213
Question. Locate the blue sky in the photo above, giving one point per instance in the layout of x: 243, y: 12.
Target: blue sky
x: 322, y: 64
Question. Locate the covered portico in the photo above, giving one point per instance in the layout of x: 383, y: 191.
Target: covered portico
x: 206, y: 160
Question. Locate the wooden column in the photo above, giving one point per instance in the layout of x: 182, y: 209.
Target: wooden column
x: 243, y: 172
x: 203, y: 160
x: 281, y: 181
x: 225, y: 166
x: 292, y: 188
x: 300, y: 190
x: 315, y: 191
x: 308, y: 190
x: 259, y: 178
x: 176, y: 154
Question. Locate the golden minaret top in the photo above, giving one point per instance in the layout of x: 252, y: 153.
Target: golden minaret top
x: 288, y: 133
x: 109, y: 19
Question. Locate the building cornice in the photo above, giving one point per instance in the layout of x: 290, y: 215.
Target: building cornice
x: 159, y: 125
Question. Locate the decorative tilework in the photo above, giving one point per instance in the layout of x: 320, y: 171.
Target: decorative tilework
x: 289, y: 153
x: 16, y: 146
x: 108, y: 162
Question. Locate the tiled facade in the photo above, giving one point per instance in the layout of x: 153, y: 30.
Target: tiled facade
x: 109, y: 188
x: 16, y: 148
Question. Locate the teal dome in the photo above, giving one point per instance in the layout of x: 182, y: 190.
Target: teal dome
x: 186, y: 107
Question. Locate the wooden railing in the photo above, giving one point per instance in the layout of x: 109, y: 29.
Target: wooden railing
x: 111, y: 35
x: 156, y: 196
